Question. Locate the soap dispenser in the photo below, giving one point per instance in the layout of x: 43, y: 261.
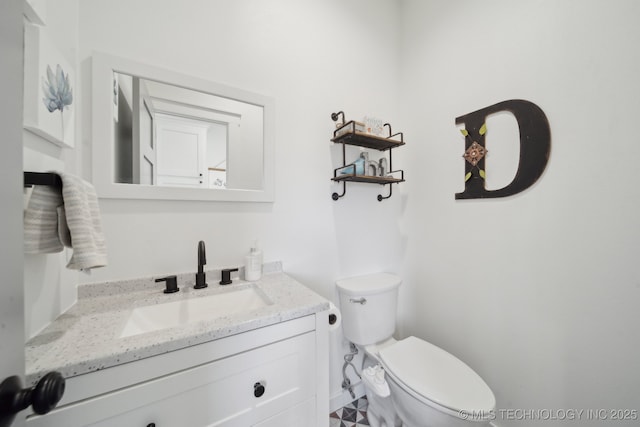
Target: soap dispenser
x: 253, y: 264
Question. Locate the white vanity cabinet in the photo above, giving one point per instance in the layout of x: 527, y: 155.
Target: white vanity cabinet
x: 267, y: 377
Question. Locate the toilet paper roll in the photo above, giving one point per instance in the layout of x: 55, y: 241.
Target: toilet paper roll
x: 335, y: 319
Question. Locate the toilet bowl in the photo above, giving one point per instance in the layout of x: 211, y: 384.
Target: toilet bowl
x: 427, y: 386
x: 432, y: 387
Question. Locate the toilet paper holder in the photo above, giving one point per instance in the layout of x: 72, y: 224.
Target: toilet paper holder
x: 333, y: 318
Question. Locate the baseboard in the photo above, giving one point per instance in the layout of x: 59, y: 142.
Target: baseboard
x: 343, y: 397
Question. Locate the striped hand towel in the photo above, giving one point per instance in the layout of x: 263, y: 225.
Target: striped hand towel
x: 72, y: 216
x: 41, y: 221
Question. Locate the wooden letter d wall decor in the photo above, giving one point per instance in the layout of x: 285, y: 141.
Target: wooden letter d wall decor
x: 535, y: 145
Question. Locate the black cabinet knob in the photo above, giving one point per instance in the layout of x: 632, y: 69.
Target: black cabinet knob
x: 258, y: 389
x: 42, y: 398
x: 47, y: 393
x: 151, y: 425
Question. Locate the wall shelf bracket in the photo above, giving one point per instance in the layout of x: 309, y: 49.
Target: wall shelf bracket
x: 381, y: 198
x: 336, y: 196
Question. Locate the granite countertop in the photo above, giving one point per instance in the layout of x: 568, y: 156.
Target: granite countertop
x: 86, y: 337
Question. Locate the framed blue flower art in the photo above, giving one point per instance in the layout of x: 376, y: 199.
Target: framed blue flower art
x: 49, y: 89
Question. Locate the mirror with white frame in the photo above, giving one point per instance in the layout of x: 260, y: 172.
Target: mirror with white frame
x: 158, y: 134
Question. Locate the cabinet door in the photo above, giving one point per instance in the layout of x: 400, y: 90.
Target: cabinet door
x: 220, y: 393
x: 302, y: 414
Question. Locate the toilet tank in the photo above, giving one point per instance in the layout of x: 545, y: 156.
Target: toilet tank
x: 368, y: 305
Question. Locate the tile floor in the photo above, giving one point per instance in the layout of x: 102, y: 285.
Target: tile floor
x: 352, y: 415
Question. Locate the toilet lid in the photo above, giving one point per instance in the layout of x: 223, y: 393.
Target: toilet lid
x: 437, y: 375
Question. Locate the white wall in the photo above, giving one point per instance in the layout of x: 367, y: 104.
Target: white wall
x: 314, y: 58
x: 537, y: 292
x: 49, y: 287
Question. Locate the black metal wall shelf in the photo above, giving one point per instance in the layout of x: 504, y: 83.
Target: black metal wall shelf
x: 347, y: 134
x: 368, y: 179
x: 368, y: 141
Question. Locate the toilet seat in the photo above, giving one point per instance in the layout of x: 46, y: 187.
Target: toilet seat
x: 436, y: 377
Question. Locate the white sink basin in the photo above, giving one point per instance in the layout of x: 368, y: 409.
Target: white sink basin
x: 171, y: 314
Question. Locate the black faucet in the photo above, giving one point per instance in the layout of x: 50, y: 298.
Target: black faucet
x: 201, y: 277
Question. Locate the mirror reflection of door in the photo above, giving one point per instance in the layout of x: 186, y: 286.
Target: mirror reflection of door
x: 181, y: 152
x: 144, y: 145
x: 170, y: 136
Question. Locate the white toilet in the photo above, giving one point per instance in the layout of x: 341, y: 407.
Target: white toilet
x: 428, y: 386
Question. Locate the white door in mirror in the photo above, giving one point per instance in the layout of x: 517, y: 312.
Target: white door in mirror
x: 182, y: 147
